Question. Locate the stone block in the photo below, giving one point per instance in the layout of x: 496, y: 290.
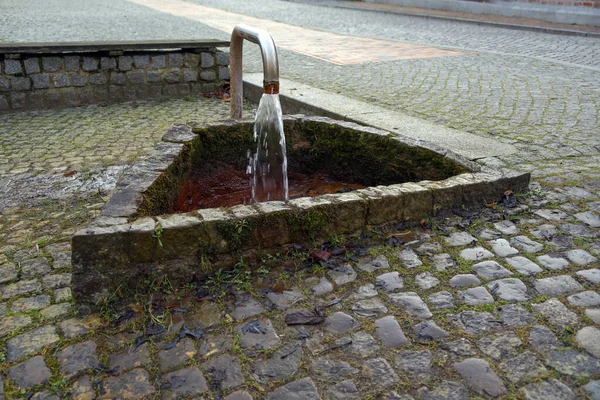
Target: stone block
x: 417, y: 201
x: 72, y: 63
x: 173, y: 76
x: 222, y: 58
x: 170, y: 91
x: 61, y: 80
x: 159, y: 62
x: 224, y: 73
x: 141, y: 61
x: 107, y: 63
x: 143, y: 92
x: 191, y: 60
x: 116, y: 92
x: 32, y: 65
x: 154, y: 76
x: 125, y: 63
x: 190, y: 75
x: 4, y: 84
x: 18, y: 100
x: 12, y: 67
x: 4, y: 103
x: 175, y: 60
x: 53, y: 99
x: 19, y: 83
x: 71, y: 99
x: 36, y: 100
x: 41, y: 81
x: 90, y: 64
x: 129, y: 93
x: 208, y: 76
x: 79, y: 80
x: 207, y: 60
x: 136, y: 78
x: 447, y: 194
x: 183, y: 89
x: 117, y: 78
x: 86, y: 96
x: 100, y: 94
x: 99, y: 78
x: 384, y: 204
x: 208, y: 87
x: 52, y: 64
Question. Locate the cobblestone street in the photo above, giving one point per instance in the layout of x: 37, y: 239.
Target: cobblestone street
x: 503, y: 302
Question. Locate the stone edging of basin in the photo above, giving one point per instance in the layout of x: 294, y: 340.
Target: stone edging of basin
x: 117, y: 249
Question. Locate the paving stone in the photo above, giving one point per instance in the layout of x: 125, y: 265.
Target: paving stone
x: 429, y: 330
x: 462, y: 280
x: 476, y: 296
x: 30, y: 342
x: 56, y: 310
x: 588, y: 338
x: 552, y: 263
x: 258, y: 335
x: 30, y: 303
x: 573, y: 363
x: 390, y: 333
x: 340, y: 323
x: 3, y: 310
x: 224, y: 371
x: 579, y: 230
x: 590, y: 275
x: 20, y: 288
x: 56, y: 280
x: 506, y: 227
x: 593, y: 314
x: 331, y: 369
x: 442, y: 262
x: 82, y: 389
x: 552, y: 214
x: 545, y: 232
x: 415, y: 364
x: 524, y: 266
x: 480, y: 377
x: 502, y: 248
x: 557, y: 285
x: 286, y: 299
x: 44, y: 395
x: 182, y: 352
x: 409, y: 258
x: 515, y: 315
x: 62, y: 294
x: 342, y: 274
x: 390, y: 282
x: 476, y: 323
x: 548, y: 390
x: 580, y: 257
x: 489, y: 234
x: 590, y: 218
x: 301, y: 389
x: 215, y: 345
x: 460, y: 239
x: 593, y: 389
x: 510, y: 289
x: 34, y: 267
x: 556, y: 313
x: 491, y: 270
x: 461, y: 347
x: 9, y: 325
x: 527, y: 245
x: 522, y: 368
x: 319, y: 286
x: 585, y: 299
x: 30, y: 373
x: 76, y: 327
x: 130, y: 357
x: 8, y: 272
x: 365, y: 292
x: 543, y: 339
x: 429, y: 248
x: 577, y: 193
x: 61, y: 259
x: 380, y: 371
x: 363, y: 344
x: 371, y: 265
x: 446, y: 390
x: 239, y: 395
x: 476, y: 254
x: 77, y: 358
x: 426, y: 280
x: 246, y: 307
x: 343, y: 390
x: 441, y: 300
x: 500, y: 345
x: 412, y: 303
x: 132, y: 385
x: 369, y: 307
x: 282, y: 364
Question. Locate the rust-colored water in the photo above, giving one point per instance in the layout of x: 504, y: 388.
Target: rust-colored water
x: 229, y: 186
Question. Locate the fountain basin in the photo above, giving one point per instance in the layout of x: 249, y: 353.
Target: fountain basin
x: 136, y: 238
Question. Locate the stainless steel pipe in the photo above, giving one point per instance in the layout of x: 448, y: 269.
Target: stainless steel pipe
x: 270, y: 64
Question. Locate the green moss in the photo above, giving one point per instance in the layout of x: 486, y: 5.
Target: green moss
x: 310, y: 223
x: 236, y: 233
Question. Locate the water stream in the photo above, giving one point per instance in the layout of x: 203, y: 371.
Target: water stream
x: 268, y: 166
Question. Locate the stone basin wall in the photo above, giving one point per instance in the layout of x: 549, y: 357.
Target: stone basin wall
x: 119, y: 248
x: 39, y: 76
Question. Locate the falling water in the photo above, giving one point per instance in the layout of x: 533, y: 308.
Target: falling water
x: 268, y: 166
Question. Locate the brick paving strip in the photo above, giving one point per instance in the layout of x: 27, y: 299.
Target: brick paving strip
x: 331, y: 47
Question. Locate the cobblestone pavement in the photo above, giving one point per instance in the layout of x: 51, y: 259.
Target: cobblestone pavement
x: 502, y: 303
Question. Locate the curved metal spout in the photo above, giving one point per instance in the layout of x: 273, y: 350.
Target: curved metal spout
x: 270, y: 64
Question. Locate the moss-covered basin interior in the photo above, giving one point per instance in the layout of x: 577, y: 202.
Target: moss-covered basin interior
x: 363, y: 157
